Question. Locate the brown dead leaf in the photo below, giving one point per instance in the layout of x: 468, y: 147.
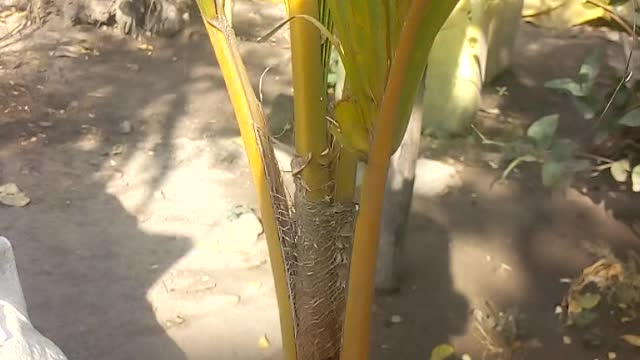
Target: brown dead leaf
x: 603, y: 272
x: 72, y: 51
x: 632, y: 339
x: 145, y: 47
x: 298, y: 163
x: 11, y: 195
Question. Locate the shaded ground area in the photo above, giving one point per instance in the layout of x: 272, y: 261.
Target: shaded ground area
x: 139, y: 242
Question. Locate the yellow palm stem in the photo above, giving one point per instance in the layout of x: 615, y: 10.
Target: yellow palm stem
x: 248, y: 115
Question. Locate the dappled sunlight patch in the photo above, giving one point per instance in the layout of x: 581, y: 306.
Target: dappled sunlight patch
x: 89, y: 140
x: 497, y: 272
x: 198, y: 185
x: 131, y: 177
x: 502, y: 332
x: 598, y: 221
x: 102, y: 92
x: 484, y: 183
x: 206, y: 315
x: 203, y: 84
x: 435, y: 178
x: 199, y: 72
x: 553, y: 249
x: 158, y: 107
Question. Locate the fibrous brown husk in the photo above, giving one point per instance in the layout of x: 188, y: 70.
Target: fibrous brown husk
x: 322, y: 253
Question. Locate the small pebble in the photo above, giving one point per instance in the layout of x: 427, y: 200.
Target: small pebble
x: 566, y: 340
x: 396, y: 319
x: 73, y: 105
x: 125, y: 127
x: 558, y: 310
x: 466, y: 357
x: 117, y: 150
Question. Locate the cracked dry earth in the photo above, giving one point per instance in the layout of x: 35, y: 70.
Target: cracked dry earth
x: 140, y: 241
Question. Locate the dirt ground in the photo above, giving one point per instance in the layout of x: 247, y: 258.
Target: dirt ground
x: 140, y: 243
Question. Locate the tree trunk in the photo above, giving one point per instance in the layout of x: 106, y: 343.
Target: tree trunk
x: 397, y: 204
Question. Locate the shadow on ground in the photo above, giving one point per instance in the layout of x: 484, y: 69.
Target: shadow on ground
x: 106, y: 225
x: 511, y: 243
x: 86, y: 270
x: 90, y: 246
x: 431, y: 308
x: 510, y: 246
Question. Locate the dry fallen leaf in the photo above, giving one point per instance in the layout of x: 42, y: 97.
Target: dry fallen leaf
x: 11, y: 195
x: 632, y: 339
x: 72, y: 51
x: 145, y: 47
x: 442, y: 352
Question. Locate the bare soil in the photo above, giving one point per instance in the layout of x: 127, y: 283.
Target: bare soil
x: 130, y: 247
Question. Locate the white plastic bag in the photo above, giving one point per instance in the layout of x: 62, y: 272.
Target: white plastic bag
x: 19, y: 340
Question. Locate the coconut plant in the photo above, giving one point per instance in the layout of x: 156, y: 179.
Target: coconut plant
x: 322, y: 239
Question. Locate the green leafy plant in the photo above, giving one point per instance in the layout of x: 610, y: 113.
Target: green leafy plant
x: 581, y: 92
x: 607, y: 291
x: 559, y: 157
x: 581, y: 87
x: 321, y: 245
x: 442, y: 352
